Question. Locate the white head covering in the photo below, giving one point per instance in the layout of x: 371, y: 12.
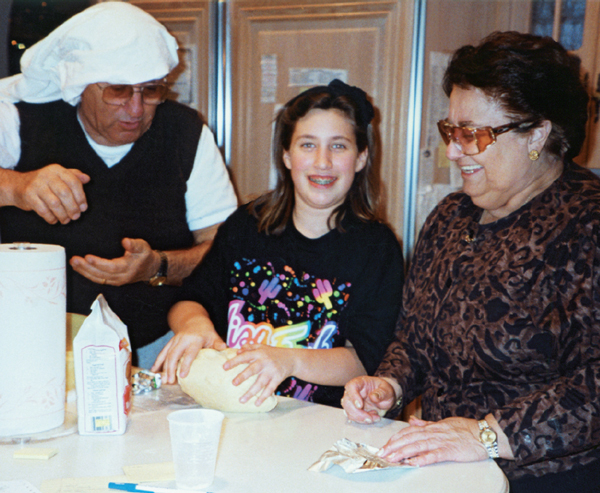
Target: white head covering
x: 111, y: 42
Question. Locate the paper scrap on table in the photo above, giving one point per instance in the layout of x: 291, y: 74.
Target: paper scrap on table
x: 17, y: 486
x: 141, y: 473
x: 98, y: 484
x: 35, y: 453
x: 353, y: 457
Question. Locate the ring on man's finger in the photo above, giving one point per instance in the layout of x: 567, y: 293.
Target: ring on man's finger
x: 103, y: 281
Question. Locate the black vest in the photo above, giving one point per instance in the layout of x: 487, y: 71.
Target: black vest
x: 142, y: 196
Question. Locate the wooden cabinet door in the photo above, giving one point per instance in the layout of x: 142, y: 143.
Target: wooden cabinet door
x: 278, y: 48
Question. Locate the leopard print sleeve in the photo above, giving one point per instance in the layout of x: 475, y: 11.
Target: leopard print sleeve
x: 505, y: 318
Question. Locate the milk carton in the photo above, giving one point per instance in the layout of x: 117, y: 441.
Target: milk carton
x: 102, y: 358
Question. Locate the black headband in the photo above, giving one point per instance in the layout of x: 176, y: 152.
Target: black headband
x: 338, y: 88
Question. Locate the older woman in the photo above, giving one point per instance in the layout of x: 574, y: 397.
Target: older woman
x: 500, y: 326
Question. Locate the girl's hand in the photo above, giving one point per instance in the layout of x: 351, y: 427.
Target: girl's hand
x: 184, y: 346
x: 272, y: 365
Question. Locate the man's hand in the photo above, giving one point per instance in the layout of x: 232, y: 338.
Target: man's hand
x: 53, y: 192
x: 139, y: 263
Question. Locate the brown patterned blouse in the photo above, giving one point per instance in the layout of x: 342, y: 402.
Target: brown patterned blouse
x: 505, y: 318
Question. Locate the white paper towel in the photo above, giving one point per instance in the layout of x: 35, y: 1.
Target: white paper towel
x: 32, y: 337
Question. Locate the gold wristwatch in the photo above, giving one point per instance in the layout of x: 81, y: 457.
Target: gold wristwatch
x: 488, y: 437
x: 160, y: 277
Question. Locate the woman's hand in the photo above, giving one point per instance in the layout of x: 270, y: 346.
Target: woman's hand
x: 427, y: 442
x: 366, y: 399
x: 272, y: 365
x: 193, y: 331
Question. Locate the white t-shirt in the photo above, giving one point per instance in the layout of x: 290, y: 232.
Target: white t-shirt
x: 209, y: 198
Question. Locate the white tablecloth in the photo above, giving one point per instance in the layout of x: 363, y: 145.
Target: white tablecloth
x: 259, y: 453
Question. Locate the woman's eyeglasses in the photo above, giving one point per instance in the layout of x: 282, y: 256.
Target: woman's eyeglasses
x: 474, y: 140
x: 120, y: 94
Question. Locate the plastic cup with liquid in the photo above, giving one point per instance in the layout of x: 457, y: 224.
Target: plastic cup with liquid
x: 195, y: 435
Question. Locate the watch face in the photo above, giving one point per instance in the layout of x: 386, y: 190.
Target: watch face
x: 488, y: 436
x: 157, y: 281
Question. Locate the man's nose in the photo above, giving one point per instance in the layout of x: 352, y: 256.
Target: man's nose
x: 135, y: 106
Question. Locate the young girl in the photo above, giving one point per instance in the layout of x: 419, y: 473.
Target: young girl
x: 305, y: 281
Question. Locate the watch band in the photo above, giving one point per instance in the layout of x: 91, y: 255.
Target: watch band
x: 396, y: 407
x: 397, y: 404
x: 160, y: 277
x: 489, y: 439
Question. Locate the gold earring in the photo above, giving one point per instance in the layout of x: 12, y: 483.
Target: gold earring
x: 534, y: 155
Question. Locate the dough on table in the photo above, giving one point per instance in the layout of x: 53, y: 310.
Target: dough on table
x: 210, y: 385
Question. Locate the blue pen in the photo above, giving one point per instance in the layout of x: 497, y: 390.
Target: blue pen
x: 126, y: 487
x: 140, y: 489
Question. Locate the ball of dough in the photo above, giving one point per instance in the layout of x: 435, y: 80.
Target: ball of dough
x: 210, y: 385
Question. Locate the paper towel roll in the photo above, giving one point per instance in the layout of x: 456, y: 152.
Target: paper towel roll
x: 32, y: 337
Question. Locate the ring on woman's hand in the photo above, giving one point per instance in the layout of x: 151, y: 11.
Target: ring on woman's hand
x: 103, y: 281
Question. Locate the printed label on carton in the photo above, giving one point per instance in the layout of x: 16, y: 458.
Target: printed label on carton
x: 102, y: 356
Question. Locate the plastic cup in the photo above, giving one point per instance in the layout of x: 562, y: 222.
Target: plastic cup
x: 195, y: 435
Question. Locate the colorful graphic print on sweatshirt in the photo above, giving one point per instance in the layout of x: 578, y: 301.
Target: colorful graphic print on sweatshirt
x: 283, y: 308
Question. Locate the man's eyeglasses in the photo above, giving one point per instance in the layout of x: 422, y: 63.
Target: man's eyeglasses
x: 474, y: 140
x: 120, y: 94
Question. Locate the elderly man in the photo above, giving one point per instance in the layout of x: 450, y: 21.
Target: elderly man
x: 93, y: 158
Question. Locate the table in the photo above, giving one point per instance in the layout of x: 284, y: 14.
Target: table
x: 259, y: 453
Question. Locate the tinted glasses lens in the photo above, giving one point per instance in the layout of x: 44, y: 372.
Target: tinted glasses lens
x: 120, y: 94
x: 117, y: 94
x: 484, y: 138
x: 444, y: 129
x: 465, y: 137
x: 154, y: 94
x: 471, y: 141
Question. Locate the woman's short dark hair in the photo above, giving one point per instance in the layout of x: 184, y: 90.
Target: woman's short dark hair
x: 274, y: 209
x: 530, y: 77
